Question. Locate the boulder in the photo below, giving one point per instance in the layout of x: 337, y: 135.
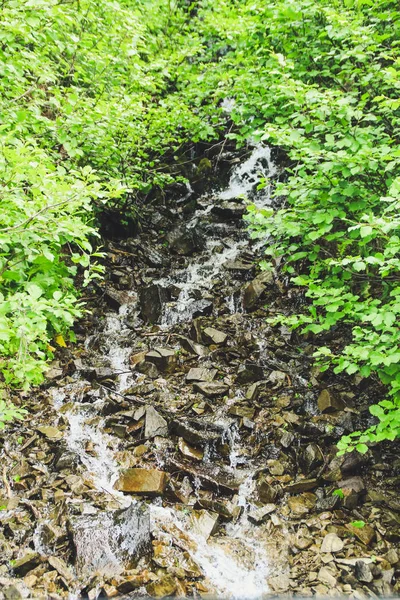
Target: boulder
x: 150, y: 482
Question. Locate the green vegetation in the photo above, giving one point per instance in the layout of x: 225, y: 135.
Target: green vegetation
x: 101, y: 98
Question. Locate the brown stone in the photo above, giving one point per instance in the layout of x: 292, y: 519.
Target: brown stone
x: 328, y: 402
x: 365, y: 534
x: 142, y: 481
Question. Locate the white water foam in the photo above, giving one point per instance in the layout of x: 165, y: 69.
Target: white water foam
x: 248, y: 175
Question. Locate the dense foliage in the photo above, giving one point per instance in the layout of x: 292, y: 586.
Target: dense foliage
x: 98, y: 97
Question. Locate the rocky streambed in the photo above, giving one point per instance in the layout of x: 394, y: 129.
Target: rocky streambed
x: 183, y: 447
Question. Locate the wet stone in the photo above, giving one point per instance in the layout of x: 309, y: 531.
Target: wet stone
x: 163, y: 358
x: 252, y: 294
x: 363, y: 572
x: 249, y: 372
x: 51, y: 433
x: 303, y: 485
x: 142, y: 481
x: 185, y: 241
x: 266, y: 493
x: 326, y: 576
x: 241, y: 410
x: 365, y: 534
x: 204, y: 523
x: 329, y: 402
x: 195, y: 432
x: 311, y: 458
x: 151, y: 300
x: 327, y: 504
x: 26, y: 563
x: 190, y: 451
x: 228, y: 210
x: 259, y: 515
x: 162, y: 588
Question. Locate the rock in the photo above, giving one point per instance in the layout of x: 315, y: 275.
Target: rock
x: 12, y: 592
x: 152, y: 257
x: 151, y: 299
x: 52, y: 433
x: 255, y: 390
x: 211, y: 476
x: 240, y: 268
x: 301, y: 505
x: 327, y: 577
x: 185, y: 241
x: 302, y: 485
x: 211, y: 390
x: 204, y: 523
x: 363, y: 572
x: 61, y: 567
x: 327, y: 504
x: 280, y: 583
x: 196, y: 432
x: 192, y: 347
x: 354, y: 484
x: 266, y: 493
x: 328, y: 402
x: 142, y: 481
x: 155, y: 424
x: 392, y: 557
x: 311, y: 458
x: 201, y: 374
x: 365, y: 534
x: 26, y: 563
x: 161, y: 588
x: 148, y: 368
x: 110, y: 542
x: 189, y: 451
x: 163, y: 358
x: 131, y: 581
x: 229, y: 210
x: 115, y: 298
x: 332, y: 543
x: 224, y: 509
x: 287, y: 439
x: 249, y: 372
x: 241, y: 410
x: 201, y: 308
x: 214, y: 336
x: 252, y: 293
x: 259, y: 515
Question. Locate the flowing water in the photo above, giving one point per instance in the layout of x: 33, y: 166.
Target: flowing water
x: 235, y: 562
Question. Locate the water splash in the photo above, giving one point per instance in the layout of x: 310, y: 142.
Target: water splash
x: 247, y: 176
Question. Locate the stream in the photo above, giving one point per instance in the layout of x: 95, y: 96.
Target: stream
x: 184, y: 447
x: 235, y: 561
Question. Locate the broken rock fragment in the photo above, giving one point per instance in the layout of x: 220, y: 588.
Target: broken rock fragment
x: 142, y: 481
